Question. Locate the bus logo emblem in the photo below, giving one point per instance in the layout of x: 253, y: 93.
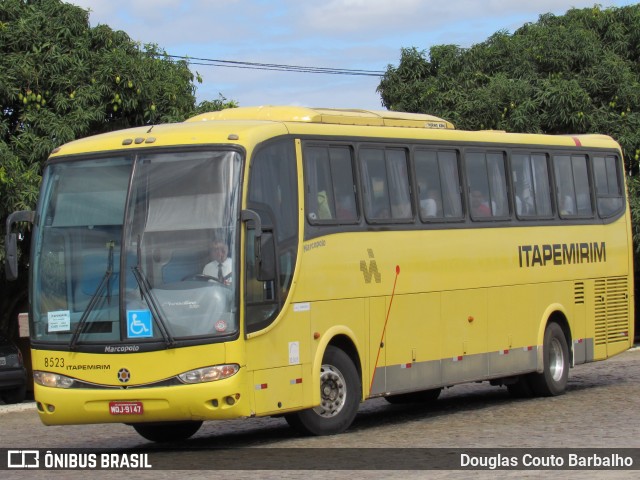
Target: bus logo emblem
x: 371, y: 270
x: 124, y: 375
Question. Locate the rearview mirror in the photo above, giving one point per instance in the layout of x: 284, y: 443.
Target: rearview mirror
x: 11, y: 242
x: 11, y: 256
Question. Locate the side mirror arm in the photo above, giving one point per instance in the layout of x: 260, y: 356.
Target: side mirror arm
x: 251, y: 216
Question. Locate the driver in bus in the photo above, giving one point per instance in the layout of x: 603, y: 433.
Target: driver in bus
x: 220, y: 268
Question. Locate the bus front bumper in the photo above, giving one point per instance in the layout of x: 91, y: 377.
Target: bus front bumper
x: 219, y: 400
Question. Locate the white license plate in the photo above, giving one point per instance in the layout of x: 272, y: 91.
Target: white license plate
x: 126, y: 408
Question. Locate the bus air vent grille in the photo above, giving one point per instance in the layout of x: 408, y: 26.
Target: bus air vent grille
x: 611, y: 310
x: 578, y: 293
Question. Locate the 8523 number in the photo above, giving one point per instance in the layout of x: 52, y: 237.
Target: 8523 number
x: 53, y: 362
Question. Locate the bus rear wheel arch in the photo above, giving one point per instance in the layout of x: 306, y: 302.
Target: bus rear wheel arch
x: 556, y: 362
x: 340, y: 395
x: 556, y: 356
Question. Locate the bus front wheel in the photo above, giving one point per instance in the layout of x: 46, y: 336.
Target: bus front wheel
x: 340, y: 393
x: 553, y: 380
x: 167, y: 432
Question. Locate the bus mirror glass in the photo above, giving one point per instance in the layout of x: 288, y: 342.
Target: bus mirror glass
x: 11, y: 251
x: 267, y: 260
x: 11, y: 242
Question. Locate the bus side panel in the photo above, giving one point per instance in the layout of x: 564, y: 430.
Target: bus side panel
x: 514, y: 316
x: 377, y: 353
x: 464, y: 327
x: 278, y: 390
x: 280, y: 363
x: 413, y: 343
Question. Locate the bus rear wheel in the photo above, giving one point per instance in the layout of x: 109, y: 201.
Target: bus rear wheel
x: 553, y: 380
x: 340, y: 393
x: 167, y: 432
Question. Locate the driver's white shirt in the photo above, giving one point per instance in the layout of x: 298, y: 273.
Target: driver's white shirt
x: 211, y: 269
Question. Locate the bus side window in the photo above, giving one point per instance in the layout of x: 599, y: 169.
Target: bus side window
x: 608, y: 186
x: 385, y: 177
x: 487, y: 185
x: 572, y: 186
x: 438, y: 184
x: 330, y: 189
x: 530, y: 176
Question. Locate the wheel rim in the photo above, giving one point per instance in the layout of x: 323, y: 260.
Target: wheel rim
x: 333, y: 392
x: 556, y: 360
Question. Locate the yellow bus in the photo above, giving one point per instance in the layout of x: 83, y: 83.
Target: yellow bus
x: 288, y: 261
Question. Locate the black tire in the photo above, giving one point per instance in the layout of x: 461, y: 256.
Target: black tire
x: 340, y: 392
x: 423, y: 396
x: 553, y: 380
x: 167, y: 432
x: 15, y: 395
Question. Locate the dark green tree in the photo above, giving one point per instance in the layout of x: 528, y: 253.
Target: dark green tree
x: 575, y: 73
x: 61, y: 79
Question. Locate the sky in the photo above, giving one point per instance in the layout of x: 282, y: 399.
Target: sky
x: 345, y: 34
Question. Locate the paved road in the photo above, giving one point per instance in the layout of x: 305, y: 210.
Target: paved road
x: 601, y: 409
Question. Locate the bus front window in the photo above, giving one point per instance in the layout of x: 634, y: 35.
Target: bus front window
x: 181, y: 221
x: 77, y: 251
x: 125, y: 249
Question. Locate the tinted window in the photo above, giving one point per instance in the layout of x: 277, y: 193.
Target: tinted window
x: 330, y: 187
x: 572, y: 185
x: 608, y: 186
x: 530, y: 176
x: 386, y: 184
x: 273, y: 194
x: 487, y: 185
x: 438, y: 184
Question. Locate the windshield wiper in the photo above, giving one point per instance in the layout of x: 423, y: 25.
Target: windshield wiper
x: 104, y: 283
x: 147, y: 294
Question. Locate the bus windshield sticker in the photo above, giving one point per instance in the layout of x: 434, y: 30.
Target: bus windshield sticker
x: 59, y: 321
x: 139, y: 324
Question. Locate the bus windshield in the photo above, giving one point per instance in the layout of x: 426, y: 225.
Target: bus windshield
x: 135, y: 249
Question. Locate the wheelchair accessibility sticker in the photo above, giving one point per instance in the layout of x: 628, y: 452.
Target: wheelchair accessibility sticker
x: 139, y: 324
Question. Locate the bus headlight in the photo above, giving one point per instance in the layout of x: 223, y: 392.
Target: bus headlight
x: 55, y: 380
x: 209, y: 374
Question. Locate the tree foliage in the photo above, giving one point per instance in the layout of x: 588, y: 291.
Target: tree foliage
x: 61, y: 79
x: 575, y: 73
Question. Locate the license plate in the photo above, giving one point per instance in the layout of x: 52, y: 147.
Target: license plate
x: 125, y: 408
x: 3, y: 361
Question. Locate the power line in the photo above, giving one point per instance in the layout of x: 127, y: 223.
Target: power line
x: 210, y: 62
